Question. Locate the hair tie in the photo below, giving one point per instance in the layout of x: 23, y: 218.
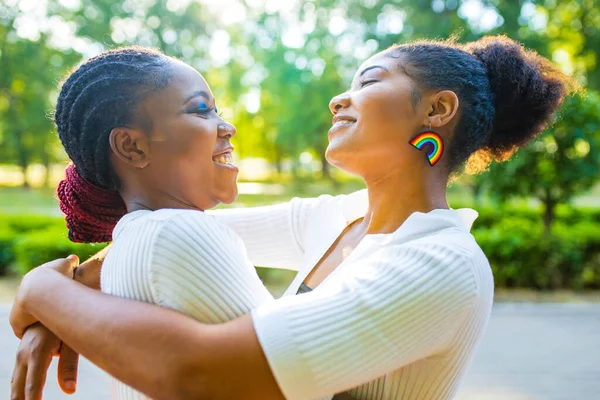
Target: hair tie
x: 91, y: 212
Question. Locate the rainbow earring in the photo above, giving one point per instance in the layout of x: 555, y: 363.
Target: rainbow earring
x: 433, y: 139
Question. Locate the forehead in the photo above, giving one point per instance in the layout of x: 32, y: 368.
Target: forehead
x: 185, y: 81
x: 379, y: 59
x: 169, y: 102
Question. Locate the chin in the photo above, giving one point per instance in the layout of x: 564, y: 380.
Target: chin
x: 228, y: 196
x: 344, y: 160
x: 229, y: 199
x: 335, y: 156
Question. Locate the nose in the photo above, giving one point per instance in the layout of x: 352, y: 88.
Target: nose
x: 338, y: 102
x: 226, y: 130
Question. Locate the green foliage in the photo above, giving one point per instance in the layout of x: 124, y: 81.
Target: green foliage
x: 523, y: 255
x: 39, y: 247
x: 513, y: 239
x: 563, y: 161
x: 294, y: 81
x: 26, y: 223
x: 7, y: 257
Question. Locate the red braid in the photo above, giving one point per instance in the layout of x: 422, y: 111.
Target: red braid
x: 91, y: 211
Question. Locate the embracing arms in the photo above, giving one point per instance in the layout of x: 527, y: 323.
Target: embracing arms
x: 158, y: 351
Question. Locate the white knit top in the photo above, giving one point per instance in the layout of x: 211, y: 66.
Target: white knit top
x: 400, y: 318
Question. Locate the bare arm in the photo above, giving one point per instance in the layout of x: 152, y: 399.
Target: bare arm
x: 192, y: 360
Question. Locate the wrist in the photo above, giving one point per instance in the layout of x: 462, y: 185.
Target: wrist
x: 31, y: 286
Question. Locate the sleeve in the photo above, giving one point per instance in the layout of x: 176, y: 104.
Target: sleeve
x: 199, y: 268
x: 274, y: 235
x: 402, y: 305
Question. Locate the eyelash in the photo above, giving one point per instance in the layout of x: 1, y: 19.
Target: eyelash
x: 365, y: 83
x: 205, y: 111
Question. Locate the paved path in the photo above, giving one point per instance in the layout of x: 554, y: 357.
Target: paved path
x: 530, y: 352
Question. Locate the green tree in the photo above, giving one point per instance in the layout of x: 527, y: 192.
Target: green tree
x: 28, y: 74
x: 563, y: 161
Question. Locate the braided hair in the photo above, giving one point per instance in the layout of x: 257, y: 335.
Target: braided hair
x: 507, y: 94
x: 102, y: 94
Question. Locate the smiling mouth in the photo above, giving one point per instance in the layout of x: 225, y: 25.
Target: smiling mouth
x: 343, y: 122
x: 223, y: 159
x: 340, y: 123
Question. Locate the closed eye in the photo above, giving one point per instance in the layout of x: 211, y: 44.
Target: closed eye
x: 204, y: 110
x: 367, y: 82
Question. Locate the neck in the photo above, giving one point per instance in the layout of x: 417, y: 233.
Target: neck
x: 394, y: 197
x: 141, y: 200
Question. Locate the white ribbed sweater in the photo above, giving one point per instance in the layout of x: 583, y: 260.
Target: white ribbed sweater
x: 399, y: 319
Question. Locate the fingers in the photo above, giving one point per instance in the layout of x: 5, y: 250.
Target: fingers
x: 67, y: 369
x: 36, y: 378
x: 17, y: 383
x: 64, y: 265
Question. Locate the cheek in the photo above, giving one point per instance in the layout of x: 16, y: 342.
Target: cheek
x: 187, y: 152
x: 385, y: 112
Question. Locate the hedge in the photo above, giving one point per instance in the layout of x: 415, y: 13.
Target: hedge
x: 522, y: 255
x: 520, y: 252
x: 27, y: 241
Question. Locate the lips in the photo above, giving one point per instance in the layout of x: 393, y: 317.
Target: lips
x: 223, y: 157
x: 340, y: 122
x: 343, y: 119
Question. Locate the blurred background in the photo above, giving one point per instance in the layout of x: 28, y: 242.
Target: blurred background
x: 273, y: 66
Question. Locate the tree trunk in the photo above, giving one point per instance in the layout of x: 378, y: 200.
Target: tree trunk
x: 549, y: 207
x: 24, y: 169
x: 23, y: 159
x: 278, y: 163
x: 476, y: 191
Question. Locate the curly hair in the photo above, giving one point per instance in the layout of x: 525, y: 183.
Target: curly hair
x: 507, y: 94
x: 101, y: 94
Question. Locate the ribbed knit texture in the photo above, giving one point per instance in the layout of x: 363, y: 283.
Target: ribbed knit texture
x: 400, y: 318
x: 184, y: 260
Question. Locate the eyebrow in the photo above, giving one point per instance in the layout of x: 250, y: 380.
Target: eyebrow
x: 373, y: 67
x: 198, y: 93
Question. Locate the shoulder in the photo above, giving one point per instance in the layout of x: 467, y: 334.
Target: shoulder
x: 176, y: 230
x: 451, y: 256
x: 193, y: 227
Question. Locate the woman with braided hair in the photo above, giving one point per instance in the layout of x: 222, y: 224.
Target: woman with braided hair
x: 396, y: 293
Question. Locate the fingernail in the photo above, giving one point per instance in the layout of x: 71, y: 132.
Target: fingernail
x: 73, y: 257
x: 70, y: 385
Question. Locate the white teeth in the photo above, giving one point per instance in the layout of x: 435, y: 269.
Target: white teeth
x: 225, y: 159
x: 344, y: 122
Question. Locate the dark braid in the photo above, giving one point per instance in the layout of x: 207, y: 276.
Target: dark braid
x: 100, y: 95
x: 507, y: 94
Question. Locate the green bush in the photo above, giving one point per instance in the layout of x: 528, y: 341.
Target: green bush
x: 520, y: 252
x: 7, y: 257
x: 522, y: 255
x: 38, y: 247
x: 27, y: 223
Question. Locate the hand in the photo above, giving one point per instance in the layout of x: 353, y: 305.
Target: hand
x: 20, y: 318
x: 34, y: 355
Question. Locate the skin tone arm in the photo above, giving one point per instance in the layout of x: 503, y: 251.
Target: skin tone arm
x: 193, y: 360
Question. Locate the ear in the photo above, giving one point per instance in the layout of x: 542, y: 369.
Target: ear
x: 130, y: 146
x: 443, y: 108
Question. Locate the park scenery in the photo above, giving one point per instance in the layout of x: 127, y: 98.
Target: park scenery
x: 273, y: 66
